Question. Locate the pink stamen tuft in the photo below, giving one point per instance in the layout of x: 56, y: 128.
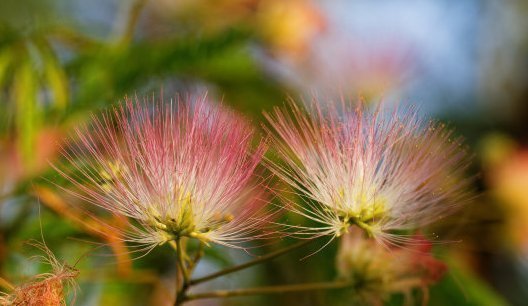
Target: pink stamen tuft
x: 186, y: 169
x: 380, y: 171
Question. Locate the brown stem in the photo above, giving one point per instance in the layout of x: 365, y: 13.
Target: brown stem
x: 249, y: 263
x: 268, y: 290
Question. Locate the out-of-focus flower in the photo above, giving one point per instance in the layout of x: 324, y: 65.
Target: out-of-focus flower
x: 379, y: 171
x: 372, y: 71
x: 289, y: 27
x: 46, y: 289
x: 12, y: 164
x: 179, y: 170
x: 495, y: 148
x: 507, y: 174
x: 377, y: 272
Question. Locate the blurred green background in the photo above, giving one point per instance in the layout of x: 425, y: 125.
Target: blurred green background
x: 465, y: 63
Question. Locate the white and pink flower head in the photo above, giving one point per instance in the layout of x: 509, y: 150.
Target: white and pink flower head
x: 184, y: 169
x: 384, y: 171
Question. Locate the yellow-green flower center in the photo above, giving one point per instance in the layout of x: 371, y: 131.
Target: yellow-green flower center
x: 363, y: 212
x: 182, y: 222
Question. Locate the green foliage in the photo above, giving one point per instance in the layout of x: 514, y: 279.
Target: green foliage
x: 461, y: 287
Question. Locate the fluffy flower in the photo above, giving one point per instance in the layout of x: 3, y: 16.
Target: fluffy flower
x: 383, y: 172
x: 46, y: 289
x: 180, y: 170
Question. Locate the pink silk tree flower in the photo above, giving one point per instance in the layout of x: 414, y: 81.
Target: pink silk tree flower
x: 180, y: 170
x: 382, y: 171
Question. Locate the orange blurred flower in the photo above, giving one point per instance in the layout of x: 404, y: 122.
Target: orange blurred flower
x: 508, y: 177
x: 290, y: 27
x: 287, y: 28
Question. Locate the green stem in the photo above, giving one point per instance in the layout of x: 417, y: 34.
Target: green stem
x: 268, y: 290
x: 180, y: 289
x: 249, y: 263
x: 181, y: 262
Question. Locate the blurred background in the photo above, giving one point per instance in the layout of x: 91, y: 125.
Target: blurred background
x: 462, y: 62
